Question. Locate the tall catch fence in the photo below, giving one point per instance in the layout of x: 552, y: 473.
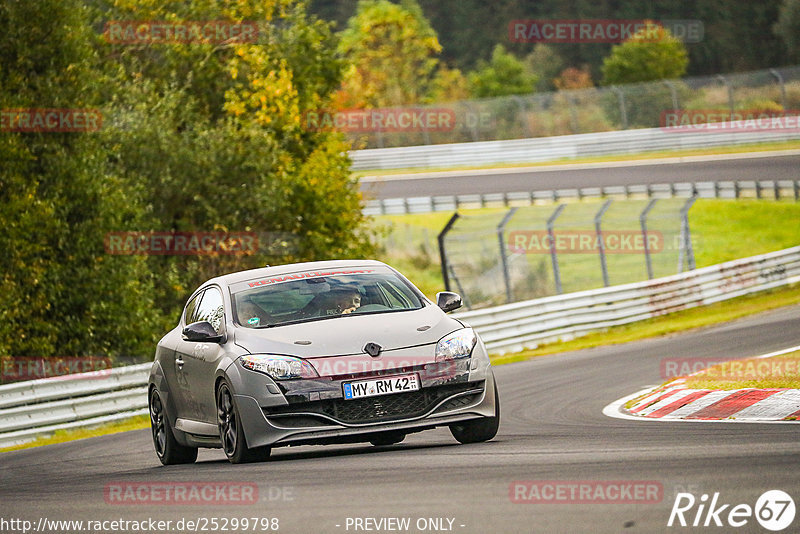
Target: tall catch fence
x: 601, y: 109
x: 522, y: 253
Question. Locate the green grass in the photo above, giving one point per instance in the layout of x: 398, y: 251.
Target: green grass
x: 765, y: 373
x: 739, y: 149
x: 722, y: 230
x: 60, y: 436
x: 728, y: 229
x: 684, y: 320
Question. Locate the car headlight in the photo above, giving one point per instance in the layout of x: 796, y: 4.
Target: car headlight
x: 459, y: 344
x: 279, y: 367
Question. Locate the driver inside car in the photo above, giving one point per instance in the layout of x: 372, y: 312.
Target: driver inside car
x: 346, y: 300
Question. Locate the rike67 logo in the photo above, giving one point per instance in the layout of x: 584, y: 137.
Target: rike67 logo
x: 774, y: 510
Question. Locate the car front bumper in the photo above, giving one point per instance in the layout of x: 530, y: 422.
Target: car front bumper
x: 310, y: 423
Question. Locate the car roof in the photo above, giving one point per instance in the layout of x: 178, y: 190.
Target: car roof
x: 263, y: 272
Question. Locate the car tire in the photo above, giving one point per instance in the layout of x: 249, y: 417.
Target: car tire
x: 168, y: 450
x: 388, y: 438
x: 478, y: 430
x: 231, y: 432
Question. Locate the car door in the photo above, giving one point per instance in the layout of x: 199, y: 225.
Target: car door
x: 198, y: 360
x: 175, y: 370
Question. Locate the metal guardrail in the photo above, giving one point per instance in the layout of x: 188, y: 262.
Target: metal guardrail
x: 30, y: 409
x: 776, y: 189
x: 36, y: 407
x: 513, y: 327
x: 540, y: 149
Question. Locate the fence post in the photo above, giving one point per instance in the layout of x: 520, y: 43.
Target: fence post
x: 442, y: 251
x: 573, y: 114
x: 464, y: 296
x: 673, y: 93
x: 379, y: 134
x: 425, y: 134
x: 783, y: 86
x: 553, y: 254
x: 521, y: 105
x: 601, y: 246
x: 474, y: 128
x: 643, y: 223
x: 622, y: 111
x: 686, y: 237
x: 501, y: 231
x: 724, y: 80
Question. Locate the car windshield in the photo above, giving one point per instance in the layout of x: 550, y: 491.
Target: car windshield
x: 311, y: 296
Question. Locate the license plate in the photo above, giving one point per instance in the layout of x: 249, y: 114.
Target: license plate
x: 380, y: 386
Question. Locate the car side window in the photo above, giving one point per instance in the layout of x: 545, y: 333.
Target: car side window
x: 212, y: 309
x: 188, y: 315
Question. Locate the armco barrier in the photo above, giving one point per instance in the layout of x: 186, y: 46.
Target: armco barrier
x: 35, y: 407
x: 560, y: 147
x: 28, y: 409
x: 513, y: 327
x: 776, y: 189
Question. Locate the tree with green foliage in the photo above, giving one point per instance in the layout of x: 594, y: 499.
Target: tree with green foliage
x: 788, y: 27
x: 502, y: 76
x: 545, y: 63
x: 228, y: 148
x: 196, y: 137
x: 60, y: 294
x: 650, y: 54
x: 738, y: 34
x: 393, y: 52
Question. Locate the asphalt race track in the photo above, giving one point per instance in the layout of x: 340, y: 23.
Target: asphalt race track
x: 552, y: 429
x: 716, y: 168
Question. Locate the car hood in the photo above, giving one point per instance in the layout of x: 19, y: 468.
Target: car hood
x: 346, y: 335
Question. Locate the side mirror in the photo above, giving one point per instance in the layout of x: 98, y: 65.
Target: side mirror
x: 201, y: 331
x: 448, y: 301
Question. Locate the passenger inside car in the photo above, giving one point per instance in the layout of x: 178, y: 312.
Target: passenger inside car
x: 251, y: 314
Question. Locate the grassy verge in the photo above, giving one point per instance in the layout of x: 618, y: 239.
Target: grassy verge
x: 722, y: 230
x: 738, y: 149
x: 766, y: 373
x: 60, y: 436
x: 669, y: 324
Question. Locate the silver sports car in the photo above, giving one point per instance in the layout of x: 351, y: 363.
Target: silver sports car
x: 316, y: 353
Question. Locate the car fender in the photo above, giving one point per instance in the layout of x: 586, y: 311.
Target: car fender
x: 159, y: 381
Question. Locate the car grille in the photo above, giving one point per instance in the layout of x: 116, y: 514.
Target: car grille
x: 381, y: 408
